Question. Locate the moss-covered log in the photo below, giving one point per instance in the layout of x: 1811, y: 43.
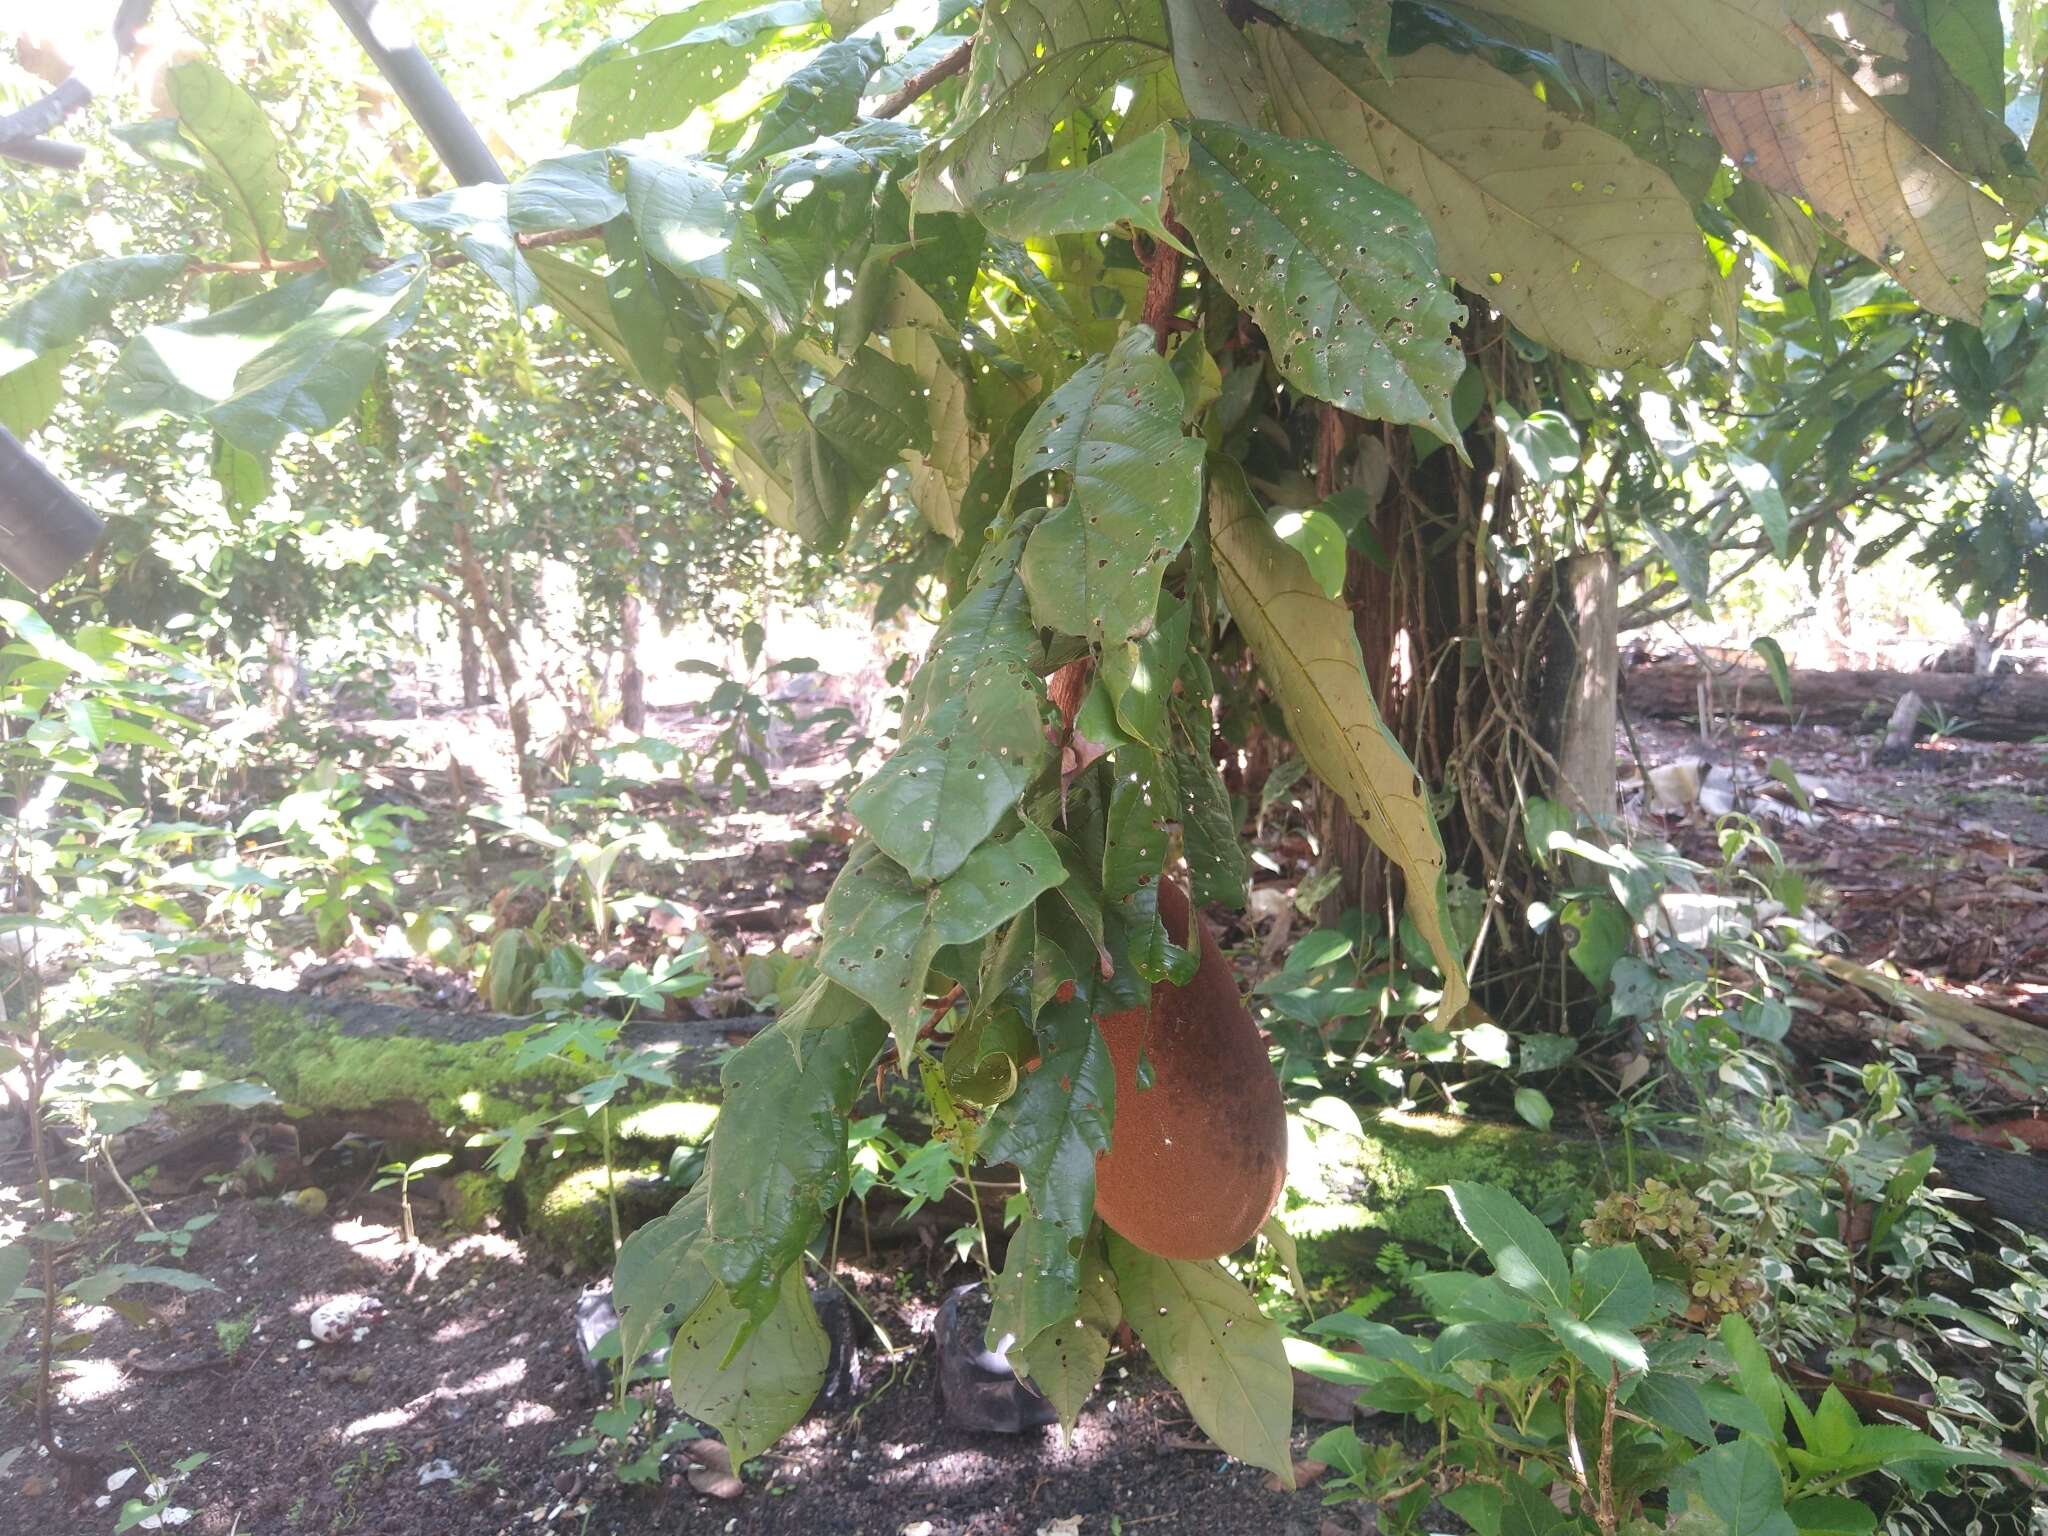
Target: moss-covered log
x: 393, y: 1071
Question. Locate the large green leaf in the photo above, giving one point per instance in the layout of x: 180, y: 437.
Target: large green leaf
x: 974, y: 734
x: 565, y: 192
x: 186, y: 367
x: 1970, y: 35
x: 14, y: 1260
x: 751, y: 1379
x: 1876, y: 187
x: 882, y: 929
x: 1126, y: 186
x: 578, y: 294
x: 1064, y: 1360
x: 478, y: 219
x: 820, y: 98
x: 1360, y: 22
x: 76, y: 301
x: 662, y: 73
x: 1584, y: 246
x: 29, y: 394
x: 1889, y: 51
x: 1214, y: 67
x: 293, y: 358
x: 1040, y: 1283
x: 1730, y: 45
x: 872, y: 411
x: 1740, y: 1486
x: 311, y: 377
x: 778, y: 1150
x: 1307, y: 650
x: 917, y: 334
x: 1134, y: 488
x: 1227, y: 1359
x: 41, y: 333
x: 1059, y: 1118
x: 1340, y: 272
x: 230, y: 143
x: 1524, y: 1253
x: 1218, y: 871
x: 660, y: 1278
x: 1034, y: 62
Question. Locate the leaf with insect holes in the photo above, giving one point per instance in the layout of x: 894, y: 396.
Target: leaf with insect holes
x: 751, y: 1378
x: 1339, y: 271
x: 1606, y: 263
x: 1126, y: 186
x: 1133, y: 484
x: 883, y: 929
x: 1207, y: 1336
x: 1059, y: 1118
x: 778, y: 1151
x: 1728, y: 45
x: 974, y: 732
x: 660, y: 1278
x: 1878, y: 189
x: 1065, y: 1360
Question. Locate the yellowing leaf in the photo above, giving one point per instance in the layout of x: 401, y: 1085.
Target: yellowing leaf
x: 1308, y: 653
x: 1584, y: 246
x: 1874, y: 186
x: 1227, y: 1360
x: 1731, y: 45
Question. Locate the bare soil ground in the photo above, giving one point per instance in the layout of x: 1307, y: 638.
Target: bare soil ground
x: 450, y: 1413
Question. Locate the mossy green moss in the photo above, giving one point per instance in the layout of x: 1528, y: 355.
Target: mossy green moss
x: 1347, y: 1175
x: 567, y: 1215
x: 667, y: 1122
x: 473, y: 1199
x: 312, y: 1066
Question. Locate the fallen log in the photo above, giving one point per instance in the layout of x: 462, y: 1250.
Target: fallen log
x: 2004, y: 707
x: 396, y: 1073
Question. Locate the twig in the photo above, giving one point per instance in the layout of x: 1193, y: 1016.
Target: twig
x: 951, y: 65
x: 107, y: 1152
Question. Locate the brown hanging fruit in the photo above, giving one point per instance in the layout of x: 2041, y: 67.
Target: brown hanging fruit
x: 1196, y: 1162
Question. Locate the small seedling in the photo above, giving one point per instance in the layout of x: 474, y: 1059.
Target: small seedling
x: 402, y: 1174
x: 179, y: 1239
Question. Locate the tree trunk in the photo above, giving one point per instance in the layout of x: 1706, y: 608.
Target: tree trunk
x: 281, y: 669
x: 1581, y: 683
x: 632, y: 681
x: 1838, y: 614
x: 478, y: 588
x: 2001, y: 708
x: 472, y: 662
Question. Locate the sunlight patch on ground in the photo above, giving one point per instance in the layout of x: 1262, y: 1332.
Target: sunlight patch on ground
x: 90, y: 1381
x: 378, y: 1423
x: 371, y: 1240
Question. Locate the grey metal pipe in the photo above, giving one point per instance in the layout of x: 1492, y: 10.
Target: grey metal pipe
x: 52, y: 154
x: 44, y: 528
x: 420, y: 87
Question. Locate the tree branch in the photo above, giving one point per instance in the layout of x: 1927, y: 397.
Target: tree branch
x: 951, y: 65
